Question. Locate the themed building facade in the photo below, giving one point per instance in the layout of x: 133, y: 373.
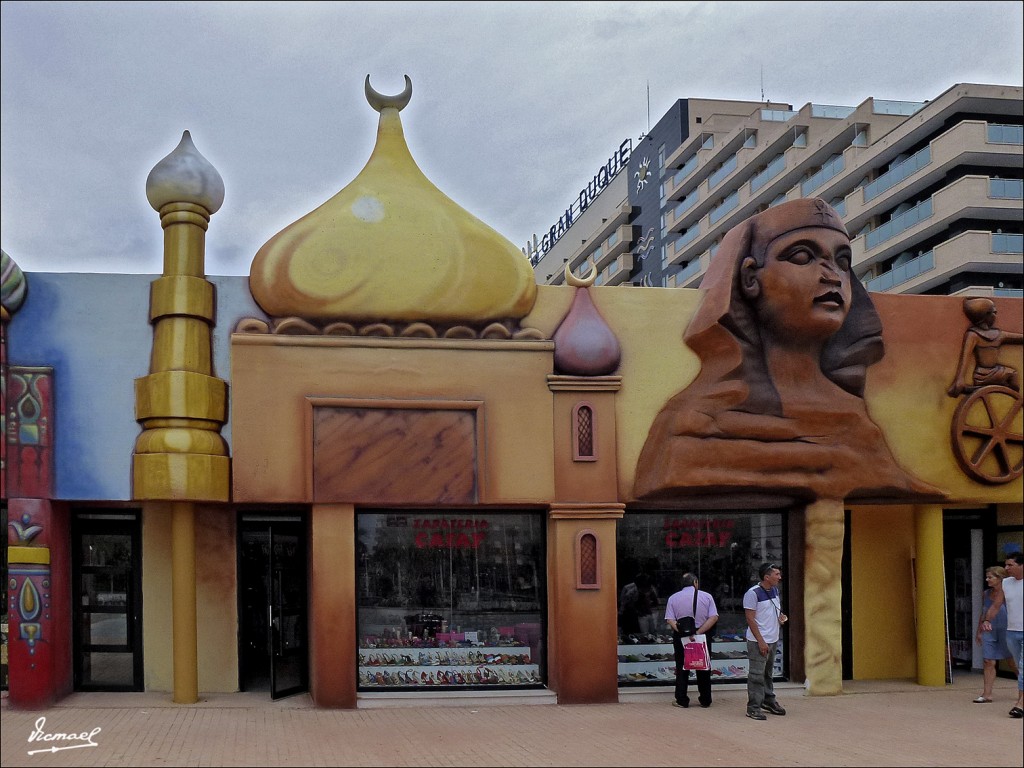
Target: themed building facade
x: 387, y: 462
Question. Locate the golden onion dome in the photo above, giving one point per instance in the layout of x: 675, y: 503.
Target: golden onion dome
x: 391, y: 246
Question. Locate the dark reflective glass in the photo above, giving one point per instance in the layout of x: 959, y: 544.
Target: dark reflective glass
x: 450, y: 599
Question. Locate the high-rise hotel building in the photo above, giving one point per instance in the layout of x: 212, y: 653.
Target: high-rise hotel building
x: 931, y: 192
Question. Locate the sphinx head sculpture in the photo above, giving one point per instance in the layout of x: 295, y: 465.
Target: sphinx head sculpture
x: 785, y: 334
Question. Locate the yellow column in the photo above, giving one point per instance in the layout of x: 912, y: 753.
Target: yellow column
x: 930, y: 604
x: 183, y: 603
x: 180, y: 456
x: 823, y: 591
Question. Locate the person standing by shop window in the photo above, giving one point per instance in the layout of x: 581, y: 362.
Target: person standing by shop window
x: 679, y: 606
x: 763, y: 608
x: 1013, y: 598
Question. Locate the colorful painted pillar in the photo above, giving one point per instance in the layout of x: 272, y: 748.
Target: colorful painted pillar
x: 34, y: 646
x: 180, y: 457
x: 38, y: 640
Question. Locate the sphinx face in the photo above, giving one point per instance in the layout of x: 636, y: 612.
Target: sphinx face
x: 804, y: 285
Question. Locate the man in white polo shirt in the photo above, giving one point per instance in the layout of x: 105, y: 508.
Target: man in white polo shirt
x: 1013, y: 596
x: 763, y: 608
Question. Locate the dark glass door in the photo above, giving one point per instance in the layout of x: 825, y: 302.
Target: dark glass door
x: 272, y: 605
x: 106, y: 571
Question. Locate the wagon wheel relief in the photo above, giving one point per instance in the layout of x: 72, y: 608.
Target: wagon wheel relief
x: 987, y: 427
x: 987, y: 435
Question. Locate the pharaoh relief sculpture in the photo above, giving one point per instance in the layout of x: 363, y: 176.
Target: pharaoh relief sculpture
x: 391, y: 255
x: 785, y: 334
x: 776, y: 416
x: 987, y: 438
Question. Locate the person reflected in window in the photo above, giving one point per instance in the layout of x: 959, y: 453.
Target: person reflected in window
x: 637, y: 602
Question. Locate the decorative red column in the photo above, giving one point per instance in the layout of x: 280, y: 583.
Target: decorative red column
x: 38, y: 602
x: 38, y: 636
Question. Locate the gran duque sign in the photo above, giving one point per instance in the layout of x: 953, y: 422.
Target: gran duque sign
x: 535, y: 249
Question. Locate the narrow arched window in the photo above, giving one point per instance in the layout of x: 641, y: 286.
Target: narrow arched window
x: 584, y: 444
x: 588, y: 567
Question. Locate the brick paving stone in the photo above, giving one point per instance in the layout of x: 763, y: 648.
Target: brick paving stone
x: 877, y: 723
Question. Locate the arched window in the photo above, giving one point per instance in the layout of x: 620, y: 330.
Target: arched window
x: 584, y: 444
x: 588, y: 565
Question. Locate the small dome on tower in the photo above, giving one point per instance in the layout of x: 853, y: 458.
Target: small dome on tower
x: 584, y: 344
x: 185, y: 176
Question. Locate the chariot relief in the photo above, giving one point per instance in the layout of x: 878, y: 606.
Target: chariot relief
x: 986, y: 432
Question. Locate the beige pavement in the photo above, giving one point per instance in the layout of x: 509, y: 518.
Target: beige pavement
x: 879, y: 723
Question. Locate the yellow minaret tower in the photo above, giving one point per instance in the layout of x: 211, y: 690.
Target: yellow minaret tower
x: 180, y: 458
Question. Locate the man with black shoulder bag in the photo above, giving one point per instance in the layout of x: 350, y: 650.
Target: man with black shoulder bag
x: 690, y: 612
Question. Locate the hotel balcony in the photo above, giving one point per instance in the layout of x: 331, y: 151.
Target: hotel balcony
x: 691, y: 274
x: 959, y: 146
x: 617, y: 272
x: 617, y: 242
x: 613, y: 228
x: 973, y: 251
x: 970, y: 197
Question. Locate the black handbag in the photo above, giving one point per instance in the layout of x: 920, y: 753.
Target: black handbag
x: 687, y: 625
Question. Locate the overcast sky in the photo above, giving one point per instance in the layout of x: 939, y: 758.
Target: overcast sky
x: 514, y: 106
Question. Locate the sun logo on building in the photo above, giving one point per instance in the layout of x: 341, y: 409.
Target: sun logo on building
x: 643, y: 174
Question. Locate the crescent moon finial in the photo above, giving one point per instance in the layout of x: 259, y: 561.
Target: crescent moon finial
x: 379, y: 101
x: 581, y: 282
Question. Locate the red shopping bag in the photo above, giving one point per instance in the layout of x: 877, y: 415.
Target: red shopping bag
x: 695, y: 654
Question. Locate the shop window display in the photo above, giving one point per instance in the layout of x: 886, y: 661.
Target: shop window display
x: 724, y: 550
x: 450, y: 599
